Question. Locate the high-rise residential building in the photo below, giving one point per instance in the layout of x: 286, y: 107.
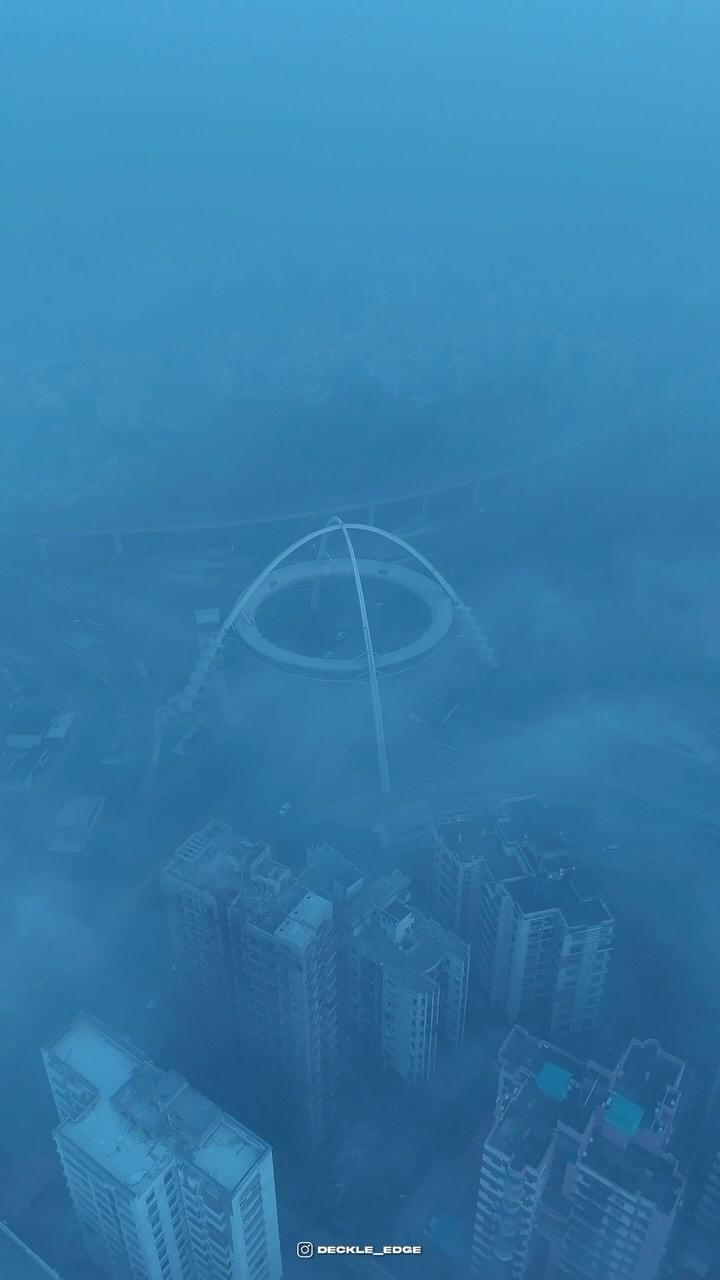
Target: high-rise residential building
x: 404, y: 977
x: 707, y: 1213
x: 545, y: 951
x: 466, y: 850
x: 459, y: 851
x: 284, y: 948
x: 541, y: 947
x: 166, y: 1185
x: 577, y: 1180
x: 531, y: 826
x: 17, y: 1260
x: 256, y: 952
x: 200, y: 881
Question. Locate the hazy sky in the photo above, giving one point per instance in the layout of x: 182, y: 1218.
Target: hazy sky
x: 550, y: 137
x: 502, y: 214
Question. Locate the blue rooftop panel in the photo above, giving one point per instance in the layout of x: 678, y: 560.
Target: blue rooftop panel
x: 554, y: 1081
x: 625, y: 1115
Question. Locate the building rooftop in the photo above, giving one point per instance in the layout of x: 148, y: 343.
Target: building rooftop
x: 636, y: 1171
x: 31, y: 719
x: 21, y: 769
x: 545, y: 1090
x: 462, y: 834
x: 396, y: 911
x: 18, y: 1262
x: 649, y: 1077
x: 354, y: 895
x: 61, y: 725
x: 301, y: 924
x: 554, y: 1081
x: 624, y: 1114
x: 503, y: 861
x: 213, y: 859
x: 272, y: 900
x: 525, y: 1132
x: 412, y: 965
x: 469, y: 841
x: 577, y: 1089
x: 331, y: 870
x: 140, y: 1119
x: 256, y: 887
x: 539, y: 893
x: 527, y: 820
x: 523, y: 1052
x: 416, y: 955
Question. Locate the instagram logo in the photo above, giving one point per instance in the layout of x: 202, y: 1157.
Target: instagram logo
x: 305, y: 1249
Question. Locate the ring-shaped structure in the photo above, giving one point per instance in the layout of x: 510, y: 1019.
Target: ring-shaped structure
x: 439, y: 606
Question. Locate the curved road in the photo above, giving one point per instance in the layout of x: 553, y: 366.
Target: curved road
x: 340, y: 508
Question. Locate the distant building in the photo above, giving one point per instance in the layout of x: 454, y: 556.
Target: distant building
x: 35, y: 742
x: 708, y: 1210
x: 409, y: 981
x: 546, y: 951
x: 284, y: 948
x: 530, y: 826
x: 541, y: 947
x: 577, y: 1179
x: 18, y: 1262
x: 24, y: 773
x: 200, y: 881
x: 459, y: 848
x: 166, y: 1186
x: 465, y: 850
x: 34, y: 724
x: 256, y: 953
x: 405, y: 977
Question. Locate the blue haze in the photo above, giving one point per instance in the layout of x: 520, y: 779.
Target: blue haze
x: 265, y: 257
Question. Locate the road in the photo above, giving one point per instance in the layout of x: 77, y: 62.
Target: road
x: 343, y: 506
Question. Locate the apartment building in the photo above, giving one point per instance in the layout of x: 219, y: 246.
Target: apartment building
x: 284, y: 954
x: 166, y: 1186
x: 577, y: 1178
x: 405, y: 977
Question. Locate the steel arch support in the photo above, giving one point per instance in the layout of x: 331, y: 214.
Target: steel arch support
x: 372, y: 669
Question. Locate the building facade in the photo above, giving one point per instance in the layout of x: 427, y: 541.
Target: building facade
x: 545, y: 951
x: 256, y: 952
x: 707, y: 1214
x: 284, y: 952
x: 404, y: 976
x: 577, y: 1179
x: 166, y: 1186
x: 459, y: 849
x: 541, y: 947
x: 200, y: 882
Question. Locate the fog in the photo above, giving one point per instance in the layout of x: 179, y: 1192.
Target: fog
x: 451, y: 270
